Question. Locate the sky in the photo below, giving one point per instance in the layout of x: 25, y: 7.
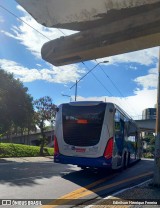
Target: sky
x: 129, y: 80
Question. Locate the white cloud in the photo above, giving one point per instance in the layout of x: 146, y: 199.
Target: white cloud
x: 31, y: 38
x: 1, y: 19
x: 67, y: 73
x: 8, y: 34
x: 133, y: 67
x: 133, y: 105
x: 33, y: 41
x: 53, y: 74
x: 150, y: 80
x: 143, y: 57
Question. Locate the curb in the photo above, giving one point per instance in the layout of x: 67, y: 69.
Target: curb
x: 25, y: 159
x: 116, y: 193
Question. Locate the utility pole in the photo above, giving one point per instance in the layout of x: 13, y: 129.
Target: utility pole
x: 156, y: 179
x: 83, y: 77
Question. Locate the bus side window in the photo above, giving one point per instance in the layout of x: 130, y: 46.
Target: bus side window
x: 119, y: 124
x: 119, y: 132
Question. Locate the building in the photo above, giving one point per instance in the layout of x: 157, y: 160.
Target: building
x: 149, y: 113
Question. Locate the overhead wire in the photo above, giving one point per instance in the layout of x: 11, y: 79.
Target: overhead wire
x: 50, y: 39
x: 20, y: 19
x: 81, y: 61
x: 110, y: 79
x: 61, y: 31
x: 97, y: 79
x: 24, y: 21
x: 115, y: 86
x: 103, y: 85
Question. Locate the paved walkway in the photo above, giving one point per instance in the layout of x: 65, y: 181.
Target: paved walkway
x: 146, y: 196
x: 26, y: 159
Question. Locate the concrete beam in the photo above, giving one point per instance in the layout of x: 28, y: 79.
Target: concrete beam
x: 67, y: 54
x: 136, y: 32
x: 108, y: 27
x: 146, y: 125
x: 83, y: 14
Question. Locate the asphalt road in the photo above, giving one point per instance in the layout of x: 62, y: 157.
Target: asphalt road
x: 67, y: 183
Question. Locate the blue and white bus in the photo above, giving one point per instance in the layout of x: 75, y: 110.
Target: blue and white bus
x: 96, y: 135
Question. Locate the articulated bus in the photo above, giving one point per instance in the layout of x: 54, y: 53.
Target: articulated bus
x: 95, y: 135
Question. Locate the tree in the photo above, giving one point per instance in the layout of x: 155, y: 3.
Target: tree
x: 150, y: 139
x: 149, y: 152
x: 16, y: 108
x: 45, y: 111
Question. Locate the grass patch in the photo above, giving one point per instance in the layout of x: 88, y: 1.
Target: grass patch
x: 20, y: 150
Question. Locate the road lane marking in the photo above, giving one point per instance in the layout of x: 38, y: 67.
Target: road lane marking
x: 121, y: 182
x: 73, y: 194
x: 79, y: 193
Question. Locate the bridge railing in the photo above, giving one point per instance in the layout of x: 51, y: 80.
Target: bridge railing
x: 140, y: 117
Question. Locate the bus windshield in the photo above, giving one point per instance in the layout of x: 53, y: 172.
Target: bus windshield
x: 82, y: 124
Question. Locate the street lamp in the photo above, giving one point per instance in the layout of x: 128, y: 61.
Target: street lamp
x: 67, y: 96
x: 85, y: 76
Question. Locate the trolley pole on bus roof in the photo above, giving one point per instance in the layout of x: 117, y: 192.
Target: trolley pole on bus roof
x: 156, y: 179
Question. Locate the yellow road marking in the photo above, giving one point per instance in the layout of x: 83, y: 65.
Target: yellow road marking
x: 79, y: 193
x: 120, y: 182
x: 73, y: 194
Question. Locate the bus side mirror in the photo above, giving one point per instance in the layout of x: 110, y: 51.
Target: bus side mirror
x: 57, y: 109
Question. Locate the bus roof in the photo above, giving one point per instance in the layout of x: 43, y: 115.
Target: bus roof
x: 92, y: 103
x: 85, y: 103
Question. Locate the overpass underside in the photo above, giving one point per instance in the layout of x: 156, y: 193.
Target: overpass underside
x: 146, y: 125
x: 106, y: 27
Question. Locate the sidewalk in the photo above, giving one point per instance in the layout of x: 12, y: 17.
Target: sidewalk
x: 146, y: 197
x: 26, y: 159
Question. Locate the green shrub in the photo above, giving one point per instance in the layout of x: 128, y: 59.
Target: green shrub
x: 20, y: 150
x: 148, y: 155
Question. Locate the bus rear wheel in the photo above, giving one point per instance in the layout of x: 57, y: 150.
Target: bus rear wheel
x: 128, y: 160
x: 125, y: 161
x: 82, y: 167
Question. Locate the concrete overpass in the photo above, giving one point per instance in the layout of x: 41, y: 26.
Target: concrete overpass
x: 107, y: 27
x: 32, y: 139
x: 148, y: 125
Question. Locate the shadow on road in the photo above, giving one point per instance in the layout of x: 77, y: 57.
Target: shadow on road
x: 27, y: 174
x: 85, y: 177
x: 4, y: 161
